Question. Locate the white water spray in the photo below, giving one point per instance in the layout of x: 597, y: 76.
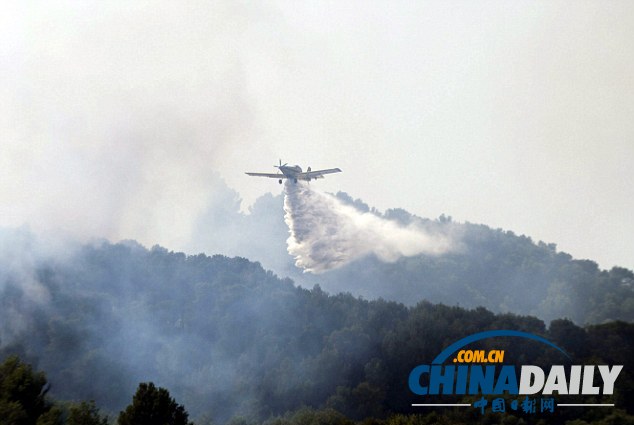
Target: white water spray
x: 326, y: 234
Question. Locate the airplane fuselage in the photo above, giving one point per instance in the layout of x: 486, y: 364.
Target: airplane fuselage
x: 293, y: 172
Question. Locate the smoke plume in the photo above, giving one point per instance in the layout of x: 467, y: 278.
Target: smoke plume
x: 326, y: 234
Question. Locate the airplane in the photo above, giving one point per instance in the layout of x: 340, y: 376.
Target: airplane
x: 295, y: 173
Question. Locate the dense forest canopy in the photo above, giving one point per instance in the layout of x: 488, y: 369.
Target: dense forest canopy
x: 229, y: 338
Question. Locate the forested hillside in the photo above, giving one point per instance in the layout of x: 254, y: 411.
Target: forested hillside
x: 501, y: 271
x: 228, y: 338
x: 493, y: 268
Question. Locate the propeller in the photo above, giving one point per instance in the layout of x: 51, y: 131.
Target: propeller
x: 281, y: 165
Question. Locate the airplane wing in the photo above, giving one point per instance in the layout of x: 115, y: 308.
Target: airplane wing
x: 319, y: 173
x: 273, y: 176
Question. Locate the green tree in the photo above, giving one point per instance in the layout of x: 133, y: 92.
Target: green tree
x: 22, y: 393
x: 85, y: 413
x: 52, y: 417
x: 153, y: 406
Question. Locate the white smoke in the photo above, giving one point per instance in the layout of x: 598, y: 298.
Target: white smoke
x: 326, y: 234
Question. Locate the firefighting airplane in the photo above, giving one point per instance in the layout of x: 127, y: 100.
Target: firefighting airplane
x: 294, y: 173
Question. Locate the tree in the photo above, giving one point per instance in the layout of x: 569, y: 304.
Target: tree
x: 22, y: 393
x: 85, y: 413
x: 52, y: 417
x: 152, y: 406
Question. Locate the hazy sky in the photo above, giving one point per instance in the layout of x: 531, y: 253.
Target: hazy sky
x: 114, y: 117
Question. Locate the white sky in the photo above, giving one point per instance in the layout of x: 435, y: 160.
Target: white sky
x: 519, y: 115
